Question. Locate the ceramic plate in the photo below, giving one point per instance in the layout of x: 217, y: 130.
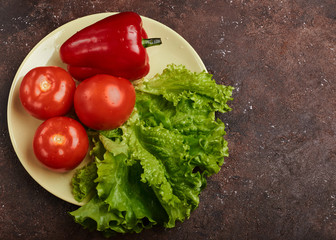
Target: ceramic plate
x: 22, y: 126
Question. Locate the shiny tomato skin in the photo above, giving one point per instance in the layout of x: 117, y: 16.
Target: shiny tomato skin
x: 60, y: 143
x: 104, y: 102
x: 47, y: 92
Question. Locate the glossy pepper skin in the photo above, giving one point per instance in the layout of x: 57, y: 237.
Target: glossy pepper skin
x: 113, y: 45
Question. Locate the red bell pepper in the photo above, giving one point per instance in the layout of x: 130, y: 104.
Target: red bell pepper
x: 115, y: 45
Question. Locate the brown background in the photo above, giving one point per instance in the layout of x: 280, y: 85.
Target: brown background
x: 279, y: 181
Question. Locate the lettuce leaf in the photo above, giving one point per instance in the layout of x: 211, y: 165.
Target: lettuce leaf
x: 152, y: 169
x: 83, y: 181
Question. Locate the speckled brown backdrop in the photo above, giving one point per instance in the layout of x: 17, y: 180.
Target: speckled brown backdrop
x: 279, y: 181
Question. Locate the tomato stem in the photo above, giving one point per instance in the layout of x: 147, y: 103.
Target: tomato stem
x: 45, y: 85
x: 58, y: 139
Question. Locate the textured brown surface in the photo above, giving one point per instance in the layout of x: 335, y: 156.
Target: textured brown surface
x: 279, y: 181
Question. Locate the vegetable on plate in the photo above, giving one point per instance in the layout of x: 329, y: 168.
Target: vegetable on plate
x: 152, y: 169
x: 115, y: 45
x: 60, y: 143
x: 104, y: 102
x: 47, y: 92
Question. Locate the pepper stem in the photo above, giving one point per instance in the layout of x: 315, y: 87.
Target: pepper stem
x: 151, y: 42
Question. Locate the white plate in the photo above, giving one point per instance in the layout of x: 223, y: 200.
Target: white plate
x: 22, y: 126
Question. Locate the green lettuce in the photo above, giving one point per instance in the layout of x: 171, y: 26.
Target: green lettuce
x: 151, y: 170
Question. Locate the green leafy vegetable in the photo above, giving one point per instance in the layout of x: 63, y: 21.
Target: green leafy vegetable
x: 83, y: 181
x: 152, y: 169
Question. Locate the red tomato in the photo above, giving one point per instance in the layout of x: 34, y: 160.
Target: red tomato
x: 60, y: 143
x: 104, y: 102
x: 47, y: 92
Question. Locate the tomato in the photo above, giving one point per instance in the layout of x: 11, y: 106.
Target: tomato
x: 60, y: 143
x: 47, y: 92
x: 104, y: 102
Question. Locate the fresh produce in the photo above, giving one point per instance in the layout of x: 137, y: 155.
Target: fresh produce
x: 152, y: 169
x: 60, y: 143
x: 154, y: 141
x: 104, y: 102
x: 47, y: 92
x: 115, y: 45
